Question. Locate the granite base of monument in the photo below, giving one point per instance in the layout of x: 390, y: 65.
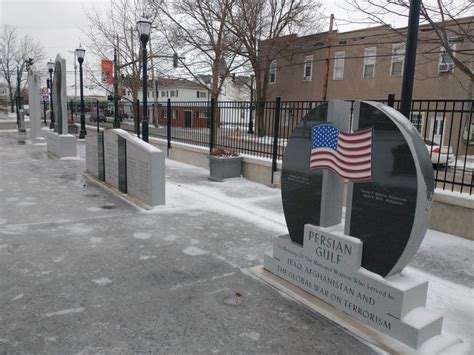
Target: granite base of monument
x: 61, y: 145
x: 328, y: 266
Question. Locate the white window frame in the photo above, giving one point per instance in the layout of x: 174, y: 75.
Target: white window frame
x: 308, y: 63
x: 203, y: 115
x: 339, y: 57
x: 368, y: 59
x: 397, y: 57
x: 272, y: 71
x: 449, y: 66
x: 421, y: 117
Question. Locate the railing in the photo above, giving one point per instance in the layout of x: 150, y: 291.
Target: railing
x: 262, y: 129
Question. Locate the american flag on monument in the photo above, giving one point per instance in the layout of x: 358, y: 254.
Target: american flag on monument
x: 349, y: 155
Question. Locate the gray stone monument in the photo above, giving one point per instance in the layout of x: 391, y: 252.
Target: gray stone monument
x: 35, y: 106
x: 355, y: 264
x: 131, y: 165
x: 60, y: 143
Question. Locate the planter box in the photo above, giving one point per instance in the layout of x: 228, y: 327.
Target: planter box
x: 224, y: 167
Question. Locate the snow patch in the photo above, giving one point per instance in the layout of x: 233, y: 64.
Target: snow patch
x: 251, y: 335
x: 26, y: 203
x: 171, y: 238
x: 194, y: 251
x: 96, y: 240
x: 94, y: 209
x: 141, y: 235
x: 19, y: 297
x: 102, y: 281
x: 146, y: 257
x: 64, y: 312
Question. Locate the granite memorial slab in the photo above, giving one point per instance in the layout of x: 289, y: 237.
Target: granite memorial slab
x: 134, y: 167
x: 92, y: 155
x: 59, y: 142
x: 355, y: 264
x: 35, y: 105
x: 111, y: 155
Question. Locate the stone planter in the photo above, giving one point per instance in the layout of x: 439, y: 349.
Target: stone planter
x: 224, y: 167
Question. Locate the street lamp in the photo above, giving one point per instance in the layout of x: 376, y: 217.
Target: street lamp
x: 144, y: 28
x: 80, y: 53
x: 51, y: 110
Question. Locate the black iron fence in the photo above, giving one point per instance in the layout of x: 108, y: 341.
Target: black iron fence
x: 262, y: 129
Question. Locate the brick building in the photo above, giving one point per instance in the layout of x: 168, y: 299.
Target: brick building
x: 368, y: 64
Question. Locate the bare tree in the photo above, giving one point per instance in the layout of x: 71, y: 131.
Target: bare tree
x: 199, y: 29
x: 114, y: 28
x: 13, y: 53
x: 444, y: 18
x: 258, y: 25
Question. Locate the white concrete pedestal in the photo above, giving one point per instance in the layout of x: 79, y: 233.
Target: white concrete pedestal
x: 61, y: 145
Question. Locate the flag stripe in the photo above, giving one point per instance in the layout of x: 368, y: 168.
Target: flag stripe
x: 350, y: 166
x: 349, y: 176
x: 355, y: 148
x: 353, y: 141
x: 323, y: 153
x: 356, y: 135
x: 361, y: 169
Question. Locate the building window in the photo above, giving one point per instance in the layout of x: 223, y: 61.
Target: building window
x: 201, y: 94
x: 173, y: 114
x: 446, y: 63
x: 273, y: 72
x: 173, y: 93
x: 417, y: 120
x: 398, y: 58
x: 339, y: 65
x: 369, y: 62
x: 308, y: 68
x: 202, y: 114
x: 163, y: 93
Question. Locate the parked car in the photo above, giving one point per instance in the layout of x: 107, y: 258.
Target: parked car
x: 93, y: 117
x: 440, y: 155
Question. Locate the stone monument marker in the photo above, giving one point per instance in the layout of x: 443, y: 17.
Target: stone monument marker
x: 35, y: 105
x: 60, y: 143
x: 355, y: 264
x: 131, y: 165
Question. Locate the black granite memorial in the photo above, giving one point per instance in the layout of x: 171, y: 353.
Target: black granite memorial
x: 354, y: 263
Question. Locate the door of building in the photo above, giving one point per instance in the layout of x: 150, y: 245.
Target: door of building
x: 437, y: 129
x: 188, y: 118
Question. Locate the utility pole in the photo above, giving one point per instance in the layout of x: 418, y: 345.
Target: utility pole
x: 410, y: 57
x: 328, y: 56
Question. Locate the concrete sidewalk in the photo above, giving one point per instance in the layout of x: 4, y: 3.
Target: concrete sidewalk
x: 82, y: 271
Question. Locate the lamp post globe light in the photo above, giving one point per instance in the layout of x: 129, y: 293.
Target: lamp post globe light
x: 80, y: 53
x: 51, y: 111
x: 144, y: 28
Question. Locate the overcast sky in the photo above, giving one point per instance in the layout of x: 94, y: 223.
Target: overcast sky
x: 58, y: 24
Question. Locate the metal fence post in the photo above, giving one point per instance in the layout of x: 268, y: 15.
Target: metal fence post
x: 168, y: 125
x: 212, y: 128
x: 276, y: 128
x: 391, y: 100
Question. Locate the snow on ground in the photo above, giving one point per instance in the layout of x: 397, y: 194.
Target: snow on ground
x: 450, y: 293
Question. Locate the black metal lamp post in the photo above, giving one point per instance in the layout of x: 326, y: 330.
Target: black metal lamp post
x: 80, y: 53
x: 51, y: 110
x: 144, y: 28
x: 250, y: 131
